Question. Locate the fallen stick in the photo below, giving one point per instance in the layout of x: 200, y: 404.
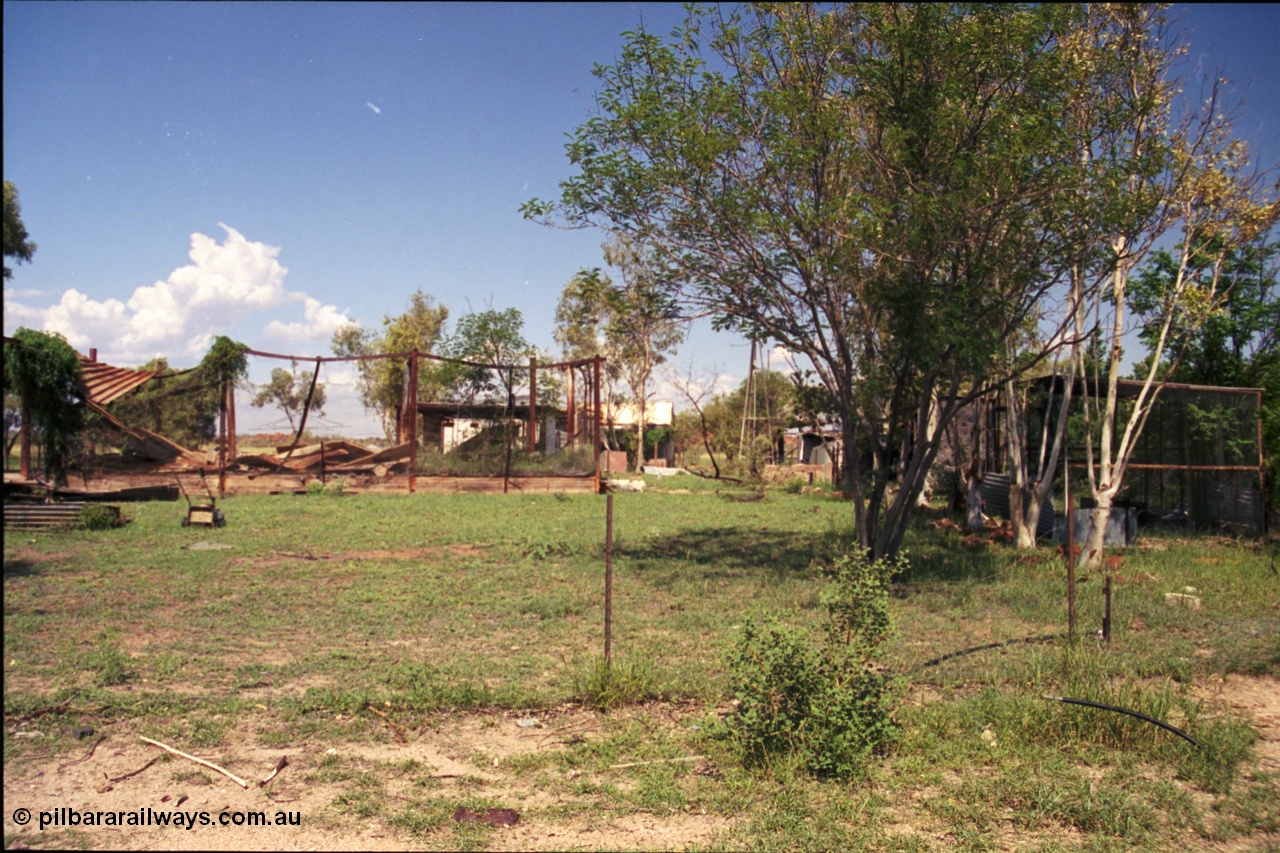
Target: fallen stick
x: 657, y: 761
x: 134, y: 773
x: 280, y: 765
x: 209, y: 764
x: 93, y: 748
x: 399, y: 732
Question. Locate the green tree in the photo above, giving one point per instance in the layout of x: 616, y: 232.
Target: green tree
x: 493, y: 341
x: 1182, y: 176
x: 17, y: 243
x: 735, y: 434
x: 1237, y: 344
x: 44, y: 371
x: 288, y: 391
x: 382, y: 381
x: 859, y: 183
x: 183, y: 405
x: 1239, y: 329
x: 633, y: 323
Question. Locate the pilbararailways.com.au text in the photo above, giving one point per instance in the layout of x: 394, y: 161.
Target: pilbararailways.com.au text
x: 68, y: 817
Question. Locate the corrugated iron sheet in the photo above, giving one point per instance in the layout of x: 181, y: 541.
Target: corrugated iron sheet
x: 995, y: 499
x: 104, y: 383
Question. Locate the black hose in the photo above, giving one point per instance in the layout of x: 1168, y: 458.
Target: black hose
x: 969, y: 651
x: 1088, y: 704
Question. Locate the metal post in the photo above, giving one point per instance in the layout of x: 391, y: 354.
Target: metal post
x: 1106, y: 613
x: 608, y: 580
x: 24, y: 445
x: 232, y: 450
x: 533, y: 405
x: 596, y: 414
x: 571, y: 416
x: 412, y: 406
x: 1071, y: 562
x: 1262, y: 478
x: 222, y: 441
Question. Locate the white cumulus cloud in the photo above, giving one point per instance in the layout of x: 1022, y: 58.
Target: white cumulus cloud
x: 320, y: 322
x: 226, y: 285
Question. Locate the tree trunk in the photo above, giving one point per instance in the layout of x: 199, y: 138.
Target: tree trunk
x: 640, y: 433
x: 1091, y: 552
x: 973, y: 504
x: 930, y: 479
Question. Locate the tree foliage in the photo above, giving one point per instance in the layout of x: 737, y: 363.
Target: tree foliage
x: 382, y: 381
x: 886, y: 190
x: 489, y: 339
x: 1182, y: 176
x: 289, y: 392
x: 634, y: 323
x: 775, y: 407
x: 183, y: 405
x: 17, y: 242
x: 44, y: 371
x: 1237, y: 344
x: 1241, y: 327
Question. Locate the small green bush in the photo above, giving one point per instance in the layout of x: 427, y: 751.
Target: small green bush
x: 100, y: 517
x: 110, y: 665
x: 333, y: 489
x: 829, y: 705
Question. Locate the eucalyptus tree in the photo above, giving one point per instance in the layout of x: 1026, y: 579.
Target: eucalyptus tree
x: 882, y: 189
x: 634, y: 323
x: 17, y: 242
x: 382, y: 381
x: 1183, y: 176
x: 291, y: 392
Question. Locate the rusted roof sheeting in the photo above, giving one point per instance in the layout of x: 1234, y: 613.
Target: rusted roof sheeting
x: 105, y: 383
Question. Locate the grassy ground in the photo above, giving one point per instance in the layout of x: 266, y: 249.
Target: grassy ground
x: 472, y: 611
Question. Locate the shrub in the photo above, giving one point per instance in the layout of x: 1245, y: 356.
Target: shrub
x: 829, y: 705
x: 334, y: 488
x: 110, y: 665
x: 100, y: 517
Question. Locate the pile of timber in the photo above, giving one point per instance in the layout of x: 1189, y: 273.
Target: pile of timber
x: 31, y: 490
x: 336, y: 457
x: 153, y: 447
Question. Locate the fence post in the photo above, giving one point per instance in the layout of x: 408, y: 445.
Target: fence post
x: 222, y: 441
x: 1071, y: 561
x: 533, y: 405
x: 412, y: 424
x: 596, y: 414
x: 608, y: 580
x: 1106, y: 613
x: 571, y: 416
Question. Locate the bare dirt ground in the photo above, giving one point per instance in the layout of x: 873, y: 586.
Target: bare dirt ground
x: 1259, y: 700
x: 463, y: 756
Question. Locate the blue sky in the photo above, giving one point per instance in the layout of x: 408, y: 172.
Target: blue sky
x: 265, y: 170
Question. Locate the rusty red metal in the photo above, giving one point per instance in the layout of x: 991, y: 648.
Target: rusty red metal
x: 104, y: 383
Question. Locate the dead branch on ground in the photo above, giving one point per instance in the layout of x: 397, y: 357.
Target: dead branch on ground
x: 233, y: 777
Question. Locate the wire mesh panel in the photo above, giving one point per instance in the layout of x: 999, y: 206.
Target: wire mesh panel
x: 1198, y: 460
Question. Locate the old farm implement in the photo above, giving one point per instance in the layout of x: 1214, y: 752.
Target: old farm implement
x: 201, y: 514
